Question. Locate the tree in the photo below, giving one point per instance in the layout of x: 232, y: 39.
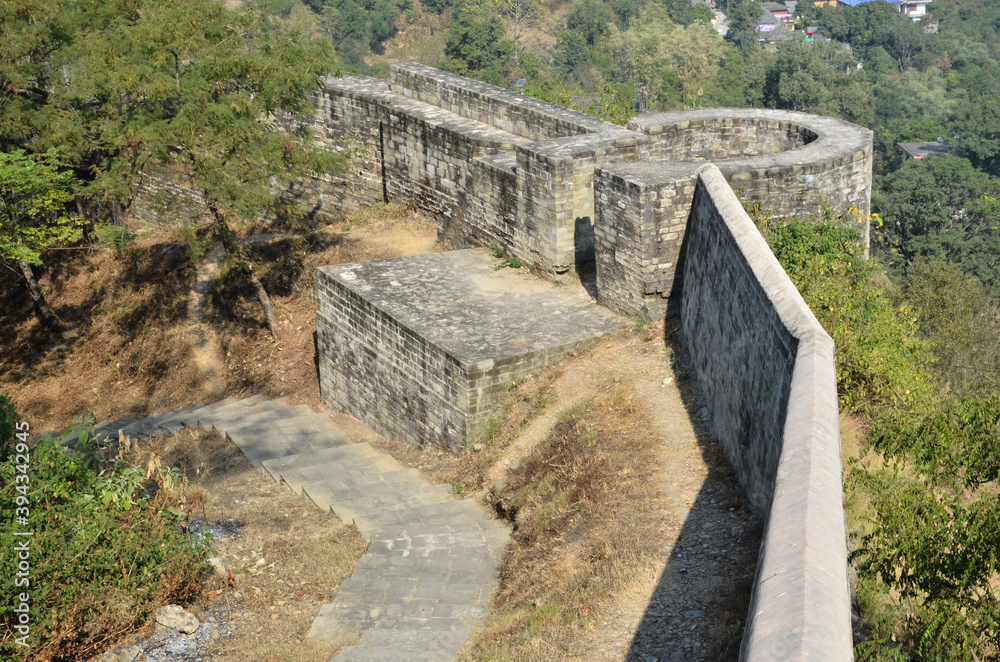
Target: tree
x: 815, y: 78
x: 744, y: 21
x: 34, y: 195
x: 940, y: 209
x: 592, y: 19
x: 976, y: 122
x: 478, y: 46
x: 518, y: 14
x: 384, y: 15
x: 669, y: 65
x: 123, y: 84
x: 571, y: 51
x: 352, y: 32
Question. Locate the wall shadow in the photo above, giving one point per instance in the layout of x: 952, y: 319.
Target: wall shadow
x: 698, y: 609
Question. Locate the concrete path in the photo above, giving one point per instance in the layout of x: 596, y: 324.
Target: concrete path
x: 433, y: 561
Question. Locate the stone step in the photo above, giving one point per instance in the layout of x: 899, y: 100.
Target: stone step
x: 433, y: 561
x: 321, y: 456
x: 263, y: 436
x: 170, y: 420
x: 334, y: 465
x: 444, y: 640
x: 179, y: 416
x: 389, y: 654
x: 235, y: 412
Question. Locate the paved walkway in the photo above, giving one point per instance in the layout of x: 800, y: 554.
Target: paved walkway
x: 433, y: 561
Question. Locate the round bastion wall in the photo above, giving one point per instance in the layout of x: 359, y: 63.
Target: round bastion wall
x: 793, y: 164
x: 722, y: 135
x: 796, y: 164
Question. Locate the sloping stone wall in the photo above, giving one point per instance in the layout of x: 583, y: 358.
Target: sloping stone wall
x: 767, y: 369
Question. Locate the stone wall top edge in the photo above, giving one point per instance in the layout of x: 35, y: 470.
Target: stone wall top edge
x: 433, y: 117
x: 483, y: 90
x: 806, y: 120
x: 777, y: 286
x: 806, y: 582
x: 583, y: 145
x: 650, y: 173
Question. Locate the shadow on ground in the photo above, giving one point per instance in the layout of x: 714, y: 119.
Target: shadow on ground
x: 699, y: 607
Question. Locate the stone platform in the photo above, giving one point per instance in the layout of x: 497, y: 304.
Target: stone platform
x: 424, y: 348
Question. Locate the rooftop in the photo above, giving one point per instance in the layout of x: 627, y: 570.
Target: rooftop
x: 924, y: 149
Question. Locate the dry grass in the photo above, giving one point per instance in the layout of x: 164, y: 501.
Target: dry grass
x: 582, y: 506
x: 254, y: 361
x: 127, y: 355
x: 287, y: 559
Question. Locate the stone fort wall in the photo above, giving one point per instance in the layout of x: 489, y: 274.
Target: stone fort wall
x: 655, y: 207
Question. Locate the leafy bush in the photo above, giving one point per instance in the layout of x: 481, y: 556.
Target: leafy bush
x: 881, y: 360
x: 929, y: 547
x: 106, y: 548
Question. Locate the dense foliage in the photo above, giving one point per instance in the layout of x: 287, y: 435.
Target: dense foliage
x: 106, y: 547
x: 926, y: 506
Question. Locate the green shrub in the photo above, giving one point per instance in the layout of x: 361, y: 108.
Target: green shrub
x: 881, y: 359
x: 929, y: 547
x: 105, y: 551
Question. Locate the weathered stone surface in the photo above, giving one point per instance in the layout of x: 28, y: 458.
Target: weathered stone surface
x: 496, y: 167
x: 420, y: 350
x: 175, y: 617
x: 425, y: 348
x: 766, y: 366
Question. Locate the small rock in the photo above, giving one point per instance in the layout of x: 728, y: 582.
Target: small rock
x: 477, y: 447
x: 121, y: 654
x: 498, y: 487
x: 667, y: 381
x: 217, y: 565
x: 652, y: 658
x: 175, y: 617
x: 694, y: 613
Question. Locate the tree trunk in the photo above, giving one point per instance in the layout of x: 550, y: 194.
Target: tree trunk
x: 117, y: 211
x: 265, y: 302
x: 262, y: 296
x: 88, y: 225
x: 46, y: 315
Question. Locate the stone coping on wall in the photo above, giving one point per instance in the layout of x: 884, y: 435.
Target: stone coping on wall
x: 801, y: 605
x: 517, y: 112
x: 471, y: 131
x: 831, y: 142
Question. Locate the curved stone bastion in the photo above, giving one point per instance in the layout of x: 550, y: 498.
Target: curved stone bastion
x: 424, y: 348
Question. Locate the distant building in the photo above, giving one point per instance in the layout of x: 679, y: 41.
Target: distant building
x: 915, y: 9
x: 780, y: 10
x: 923, y: 150
x: 771, y: 29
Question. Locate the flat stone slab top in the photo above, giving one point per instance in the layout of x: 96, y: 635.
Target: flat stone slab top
x: 460, y: 302
x: 424, y: 348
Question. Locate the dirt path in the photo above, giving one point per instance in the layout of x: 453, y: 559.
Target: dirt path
x: 690, y: 602
x: 204, y: 343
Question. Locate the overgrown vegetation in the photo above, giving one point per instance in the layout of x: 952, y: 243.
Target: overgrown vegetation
x: 106, y: 549
x: 580, y: 504
x: 924, y: 495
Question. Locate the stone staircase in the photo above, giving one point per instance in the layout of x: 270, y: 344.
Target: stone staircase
x: 433, y: 561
